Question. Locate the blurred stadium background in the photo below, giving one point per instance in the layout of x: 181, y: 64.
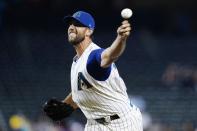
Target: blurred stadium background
x: 159, y: 65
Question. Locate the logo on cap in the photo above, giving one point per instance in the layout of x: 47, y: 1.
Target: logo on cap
x: 83, y: 17
x: 77, y: 14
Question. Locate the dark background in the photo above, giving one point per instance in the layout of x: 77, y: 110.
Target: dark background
x: 158, y: 65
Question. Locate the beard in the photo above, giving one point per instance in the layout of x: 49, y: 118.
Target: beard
x: 75, y: 38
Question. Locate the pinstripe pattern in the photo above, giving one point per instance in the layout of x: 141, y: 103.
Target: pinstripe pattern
x: 104, y: 98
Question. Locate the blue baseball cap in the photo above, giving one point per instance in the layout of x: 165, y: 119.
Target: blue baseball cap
x: 83, y: 17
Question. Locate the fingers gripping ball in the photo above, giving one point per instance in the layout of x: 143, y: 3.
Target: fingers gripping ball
x: 126, y: 13
x: 57, y: 110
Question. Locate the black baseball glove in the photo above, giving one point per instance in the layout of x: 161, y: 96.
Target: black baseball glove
x: 57, y: 110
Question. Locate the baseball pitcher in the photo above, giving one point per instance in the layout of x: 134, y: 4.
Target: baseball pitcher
x: 96, y: 86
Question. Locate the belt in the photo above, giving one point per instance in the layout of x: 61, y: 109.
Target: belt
x: 107, y: 119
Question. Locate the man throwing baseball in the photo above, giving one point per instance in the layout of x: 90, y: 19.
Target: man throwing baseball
x: 97, y: 88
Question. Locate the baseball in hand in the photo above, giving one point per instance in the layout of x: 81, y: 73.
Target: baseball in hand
x: 126, y: 13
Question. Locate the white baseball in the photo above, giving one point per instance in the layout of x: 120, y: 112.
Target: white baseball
x: 126, y: 13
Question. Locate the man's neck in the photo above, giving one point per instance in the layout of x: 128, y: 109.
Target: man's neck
x: 80, y: 48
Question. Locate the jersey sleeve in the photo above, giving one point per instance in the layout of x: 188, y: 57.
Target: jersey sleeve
x: 93, y: 66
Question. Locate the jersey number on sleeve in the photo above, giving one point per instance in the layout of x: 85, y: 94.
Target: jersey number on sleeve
x: 82, y: 82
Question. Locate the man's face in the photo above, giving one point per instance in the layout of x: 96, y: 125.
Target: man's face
x: 76, y: 32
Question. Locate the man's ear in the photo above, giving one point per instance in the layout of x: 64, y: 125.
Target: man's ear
x: 89, y: 32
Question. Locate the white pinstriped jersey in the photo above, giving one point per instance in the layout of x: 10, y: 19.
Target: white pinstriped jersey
x: 97, y: 98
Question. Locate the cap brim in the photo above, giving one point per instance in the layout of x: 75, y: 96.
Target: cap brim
x: 68, y: 19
